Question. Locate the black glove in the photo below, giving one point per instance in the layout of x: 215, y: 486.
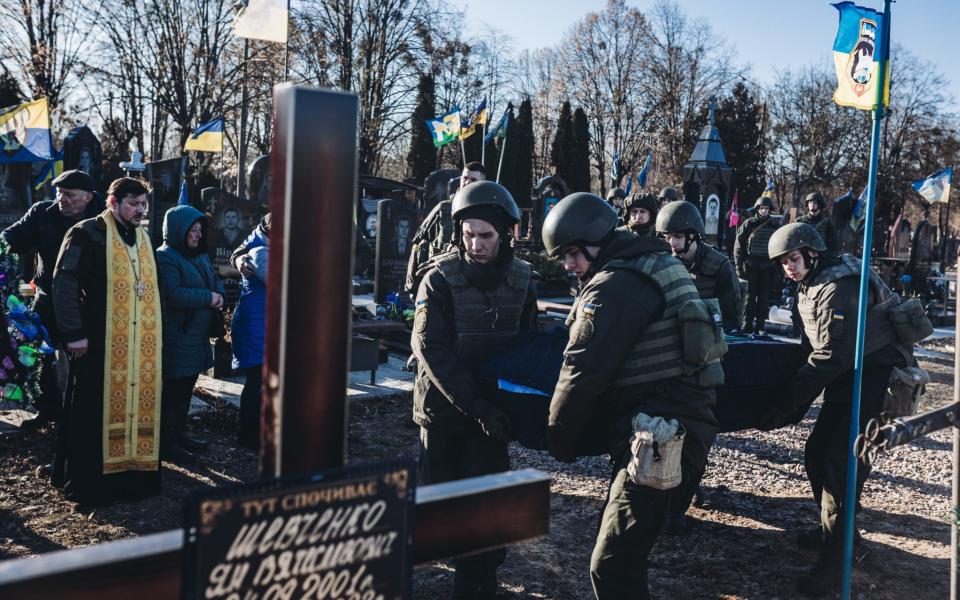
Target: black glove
x: 774, y: 419
x: 496, y: 424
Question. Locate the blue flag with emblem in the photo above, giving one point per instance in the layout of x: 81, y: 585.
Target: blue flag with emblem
x: 445, y: 129
x: 25, y: 133
x: 500, y: 130
x: 935, y: 188
x: 858, y: 51
x: 642, y: 176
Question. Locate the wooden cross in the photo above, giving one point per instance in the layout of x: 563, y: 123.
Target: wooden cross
x: 314, y: 185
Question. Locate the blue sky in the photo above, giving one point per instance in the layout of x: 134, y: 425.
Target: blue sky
x: 770, y: 35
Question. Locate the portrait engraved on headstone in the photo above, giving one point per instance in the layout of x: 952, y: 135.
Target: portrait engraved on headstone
x: 712, y: 220
x: 395, y: 226
x: 82, y: 150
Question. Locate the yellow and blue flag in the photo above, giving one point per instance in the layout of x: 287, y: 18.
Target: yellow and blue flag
x: 51, y: 170
x: 768, y: 191
x: 445, y: 129
x: 206, y: 138
x: 478, y: 117
x: 935, y: 188
x: 25, y: 133
x: 858, y: 51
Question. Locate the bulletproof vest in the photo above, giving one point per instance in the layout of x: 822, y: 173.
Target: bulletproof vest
x: 820, y: 224
x: 434, y: 237
x: 704, y: 271
x: 659, y: 353
x: 760, y: 238
x: 485, y: 321
x: 879, y: 331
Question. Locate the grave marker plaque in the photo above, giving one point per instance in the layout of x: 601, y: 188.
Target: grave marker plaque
x: 81, y: 150
x: 15, y: 195
x: 396, y: 225
x: 164, y: 178
x: 342, y: 533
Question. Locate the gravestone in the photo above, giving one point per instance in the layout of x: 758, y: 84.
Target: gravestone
x: 396, y: 225
x: 258, y: 181
x: 164, y: 179
x: 547, y: 193
x: 81, y: 150
x: 708, y: 180
x: 15, y: 192
x: 435, y: 188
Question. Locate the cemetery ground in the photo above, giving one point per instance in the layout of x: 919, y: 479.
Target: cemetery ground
x: 742, y: 545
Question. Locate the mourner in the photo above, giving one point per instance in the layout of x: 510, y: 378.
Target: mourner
x: 41, y: 231
x: 817, y: 217
x: 436, y: 234
x: 627, y: 374
x: 615, y: 198
x: 828, y: 302
x: 472, y: 303
x: 668, y: 194
x: 753, y: 264
x: 108, y: 310
x: 640, y: 214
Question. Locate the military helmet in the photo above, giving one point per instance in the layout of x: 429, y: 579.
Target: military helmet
x: 485, y: 193
x: 580, y: 218
x: 616, y: 192
x: 794, y: 237
x: 669, y: 192
x: 818, y: 198
x: 679, y: 216
x: 764, y: 201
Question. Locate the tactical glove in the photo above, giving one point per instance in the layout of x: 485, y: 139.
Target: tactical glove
x: 496, y: 424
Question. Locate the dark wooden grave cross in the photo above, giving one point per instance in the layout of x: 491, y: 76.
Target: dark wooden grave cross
x: 314, y: 186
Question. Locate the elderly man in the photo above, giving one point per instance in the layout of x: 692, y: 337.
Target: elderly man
x: 41, y: 231
x: 108, y: 308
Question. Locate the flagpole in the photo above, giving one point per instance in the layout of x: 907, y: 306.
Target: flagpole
x: 483, y: 143
x: 463, y: 153
x: 849, y: 503
x: 503, y: 148
x: 244, y: 100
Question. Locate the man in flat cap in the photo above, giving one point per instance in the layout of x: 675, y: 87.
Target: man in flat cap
x: 41, y: 231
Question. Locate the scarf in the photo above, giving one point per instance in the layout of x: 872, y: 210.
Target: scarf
x: 487, y: 276
x: 132, y: 355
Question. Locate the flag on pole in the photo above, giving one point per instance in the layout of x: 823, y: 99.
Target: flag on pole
x: 642, y: 175
x: 51, y: 170
x: 206, y: 138
x: 500, y: 130
x: 734, y: 211
x: 857, y: 54
x: 935, y: 188
x: 25, y: 133
x: 263, y: 20
x: 478, y: 117
x: 445, y: 129
x: 768, y: 191
x: 629, y: 187
x: 859, y: 211
x: 184, y: 199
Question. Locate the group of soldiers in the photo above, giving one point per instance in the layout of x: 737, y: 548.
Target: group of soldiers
x: 642, y: 361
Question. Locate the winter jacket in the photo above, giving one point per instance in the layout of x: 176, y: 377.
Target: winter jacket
x: 249, y: 319
x: 187, y: 280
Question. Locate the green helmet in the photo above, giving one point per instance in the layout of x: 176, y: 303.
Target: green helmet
x: 764, y: 201
x: 616, y: 192
x: 485, y: 193
x: 818, y: 198
x: 580, y: 218
x: 669, y: 192
x: 794, y: 237
x: 679, y: 216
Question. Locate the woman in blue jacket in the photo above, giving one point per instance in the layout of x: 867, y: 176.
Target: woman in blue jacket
x: 247, y: 327
x: 191, y: 293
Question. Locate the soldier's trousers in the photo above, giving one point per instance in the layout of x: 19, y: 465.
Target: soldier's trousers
x: 758, y: 294
x: 827, y: 447
x: 50, y: 403
x: 632, y: 520
x: 448, y: 457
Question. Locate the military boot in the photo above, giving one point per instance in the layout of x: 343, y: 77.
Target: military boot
x: 823, y: 578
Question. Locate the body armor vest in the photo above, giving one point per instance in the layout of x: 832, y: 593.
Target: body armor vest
x: 485, y: 321
x: 879, y: 331
x: 705, y: 268
x: 659, y: 353
x: 759, y: 239
x: 820, y: 224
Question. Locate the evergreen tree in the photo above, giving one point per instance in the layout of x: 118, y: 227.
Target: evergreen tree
x: 579, y: 175
x: 422, y: 157
x: 562, y: 144
x: 9, y: 90
x: 522, y: 137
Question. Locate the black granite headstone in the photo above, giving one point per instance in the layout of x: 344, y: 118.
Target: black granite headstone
x: 81, y: 150
x: 164, y: 178
x: 258, y: 180
x: 15, y: 188
x: 396, y: 225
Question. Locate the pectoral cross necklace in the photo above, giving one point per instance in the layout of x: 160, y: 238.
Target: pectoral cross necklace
x: 139, y: 286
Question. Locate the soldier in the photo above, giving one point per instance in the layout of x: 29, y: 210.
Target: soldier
x: 753, y: 263
x: 436, y: 235
x: 624, y: 363
x: 668, y: 194
x: 681, y: 225
x: 615, y: 198
x: 818, y: 218
x: 640, y: 213
x: 471, y: 304
x: 828, y: 301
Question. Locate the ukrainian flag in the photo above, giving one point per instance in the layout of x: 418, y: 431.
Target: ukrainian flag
x: 206, y: 138
x: 25, y: 133
x: 51, y: 170
x: 479, y: 117
x: 858, y: 51
x: 445, y: 129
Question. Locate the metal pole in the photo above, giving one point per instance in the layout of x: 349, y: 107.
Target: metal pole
x: 503, y: 148
x: 850, y: 498
x: 945, y: 236
x: 483, y: 143
x: 242, y: 146
x: 463, y: 154
x: 954, y: 533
